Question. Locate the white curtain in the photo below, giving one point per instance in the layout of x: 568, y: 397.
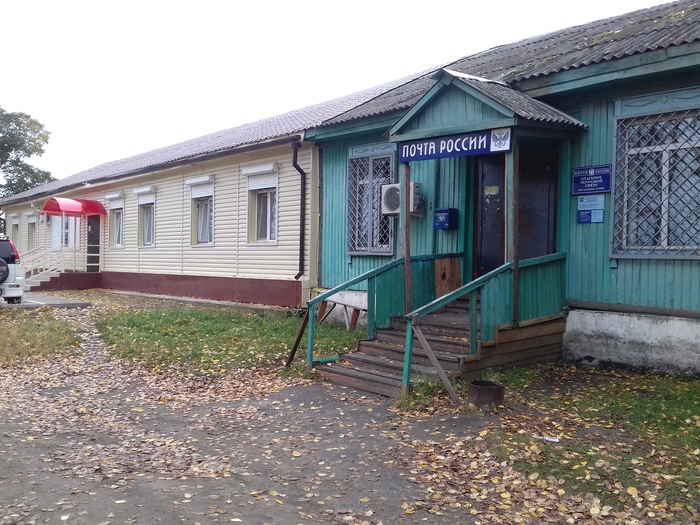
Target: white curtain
x: 204, y: 220
x: 148, y: 225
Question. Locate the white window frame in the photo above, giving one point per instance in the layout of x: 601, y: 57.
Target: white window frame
x: 263, y: 180
x: 201, y: 226
x: 116, y: 220
x: 266, y: 219
x: 31, y: 230
x: 644, y: 213
x: 365, y: 224
x: 146, y: 209
x: 14, y: 232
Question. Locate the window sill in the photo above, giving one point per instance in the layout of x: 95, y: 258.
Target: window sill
x: 202, y: 245
x: 262, y: 243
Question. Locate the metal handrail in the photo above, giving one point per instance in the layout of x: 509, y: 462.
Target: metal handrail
x: 325, y: 295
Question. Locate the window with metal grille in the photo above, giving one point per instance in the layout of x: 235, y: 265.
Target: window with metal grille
x: 368, y: 230
x: 657, y: 186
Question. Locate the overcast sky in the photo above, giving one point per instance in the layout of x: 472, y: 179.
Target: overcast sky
x: 113, y: 78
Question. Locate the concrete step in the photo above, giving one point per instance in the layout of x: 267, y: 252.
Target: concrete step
x: 34, y: 281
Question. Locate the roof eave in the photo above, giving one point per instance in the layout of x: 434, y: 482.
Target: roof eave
x: 8, y: 201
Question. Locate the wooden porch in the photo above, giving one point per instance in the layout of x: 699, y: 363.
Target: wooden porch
x: 377, y: 365
x: 511, y: 316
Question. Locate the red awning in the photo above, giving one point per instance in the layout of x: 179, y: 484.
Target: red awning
x: 72, y: 207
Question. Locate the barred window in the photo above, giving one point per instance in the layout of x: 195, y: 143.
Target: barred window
x: 368, y: 230
x: 657, y: 186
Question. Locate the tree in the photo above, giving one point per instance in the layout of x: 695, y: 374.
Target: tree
x: 21, y: 136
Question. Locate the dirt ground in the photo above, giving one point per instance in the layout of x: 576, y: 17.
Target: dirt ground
x: 93, y: 440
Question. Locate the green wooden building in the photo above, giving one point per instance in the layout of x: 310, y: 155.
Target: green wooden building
x: 547, y: 194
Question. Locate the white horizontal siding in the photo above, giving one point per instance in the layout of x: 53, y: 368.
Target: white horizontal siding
x: 230, y: 255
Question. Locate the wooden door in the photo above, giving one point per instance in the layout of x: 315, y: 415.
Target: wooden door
x: 489, y: 224
x: 537, y: 198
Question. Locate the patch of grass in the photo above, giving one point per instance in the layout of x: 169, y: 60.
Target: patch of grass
x: 212, y: 341
x: 425, y: 393
x: 33, y: 334
x: 518, y: 378
x: 619, y: 429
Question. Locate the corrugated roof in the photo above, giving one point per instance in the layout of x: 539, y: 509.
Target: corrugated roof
x: 519, y: 103
x: 637, y: 32
x: 612, y: 38
x: 256, y: 132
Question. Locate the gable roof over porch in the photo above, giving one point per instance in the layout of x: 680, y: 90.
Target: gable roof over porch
x: 461, y: 103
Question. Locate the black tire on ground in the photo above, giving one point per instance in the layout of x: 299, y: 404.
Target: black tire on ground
x: 13, y: 300
x: 4, y: 271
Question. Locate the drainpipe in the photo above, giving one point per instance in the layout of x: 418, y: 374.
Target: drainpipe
x: 302, y: 206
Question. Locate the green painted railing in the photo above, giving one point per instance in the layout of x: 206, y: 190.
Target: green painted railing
x: 371, y: 305
x: 542, y: 290
x: 385, y: 295
x: 470, y: 288
x: 541, y: 293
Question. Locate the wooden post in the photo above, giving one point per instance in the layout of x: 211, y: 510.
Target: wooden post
x: 295, y: 346
x: 408, y: 303
x: 513, y: 161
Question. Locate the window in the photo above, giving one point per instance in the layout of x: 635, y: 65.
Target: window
x: 14, y: 236
x: 262, y: 203
x: 266, y: 215
x: 116, y: 227
x: 31, y: 233
x: 147, y: 224
x: 147, y: 215
x: 65, y: 231
x: 202, y: 209
x: 116, y: 219
x: 657, y: 186
x: 203, y: 220
x: 368, y: 231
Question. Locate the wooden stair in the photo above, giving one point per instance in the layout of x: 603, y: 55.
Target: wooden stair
x: 377, y: 365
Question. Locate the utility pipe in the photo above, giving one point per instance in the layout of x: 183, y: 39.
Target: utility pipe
x: 295, y: 145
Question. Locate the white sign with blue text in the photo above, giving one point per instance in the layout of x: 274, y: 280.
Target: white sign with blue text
x: 591, y: 208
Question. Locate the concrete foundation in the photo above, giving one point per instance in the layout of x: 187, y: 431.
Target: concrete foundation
x: 663, y: 344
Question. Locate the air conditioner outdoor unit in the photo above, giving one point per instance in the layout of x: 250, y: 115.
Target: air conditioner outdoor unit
x: 391, y: 199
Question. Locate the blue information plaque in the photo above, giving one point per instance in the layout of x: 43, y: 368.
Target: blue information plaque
x: 591, y: 179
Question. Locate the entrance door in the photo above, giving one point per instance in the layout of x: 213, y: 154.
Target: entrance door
x: 538, y: 176
x: 93, y: 243
x: 489, y: 224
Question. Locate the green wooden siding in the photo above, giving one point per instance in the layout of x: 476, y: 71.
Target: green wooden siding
x: 388, y: 296
x: 541, y: 288
x: 337, y: 266
x: 496, y: 304
x: 452, y: 107
x: 672, y: 284
x: 444, y: 185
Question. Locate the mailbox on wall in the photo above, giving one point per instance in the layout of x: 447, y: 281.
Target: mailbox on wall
x: 445, y: 219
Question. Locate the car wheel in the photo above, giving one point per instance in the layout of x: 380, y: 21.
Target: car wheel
x: 13, y: 300
x: 4, y: 271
